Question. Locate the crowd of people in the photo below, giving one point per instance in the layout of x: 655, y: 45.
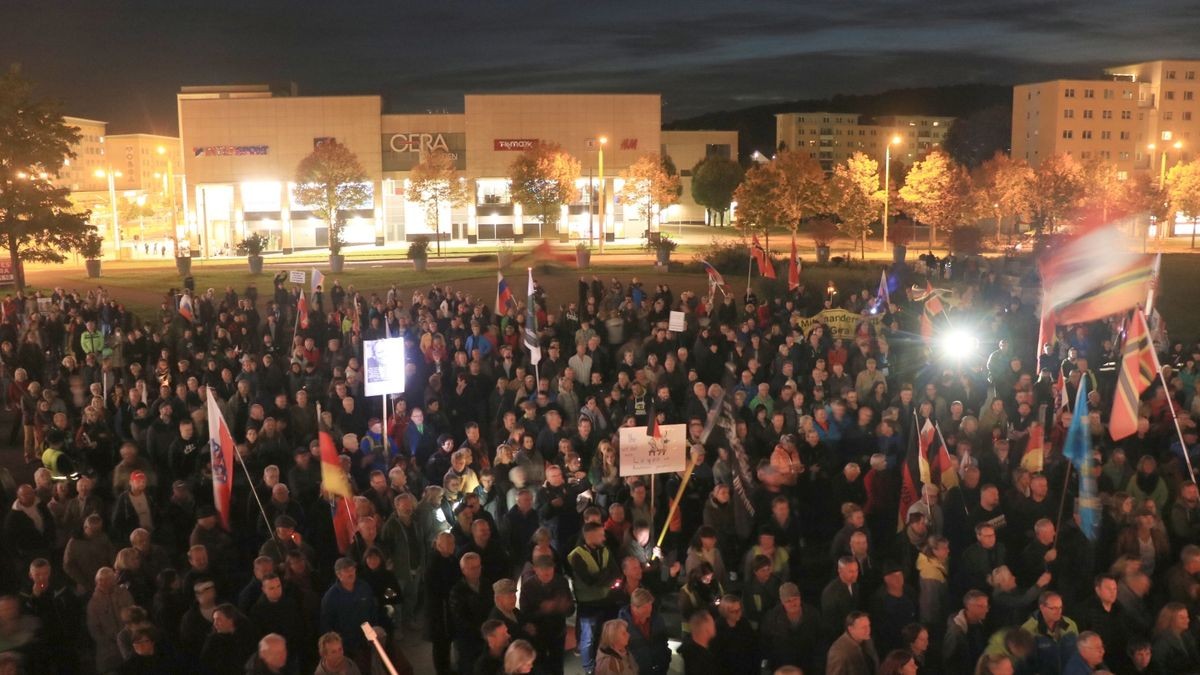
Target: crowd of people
x: 492, y: 519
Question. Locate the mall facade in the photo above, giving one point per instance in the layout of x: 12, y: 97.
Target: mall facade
x: 241, y: 146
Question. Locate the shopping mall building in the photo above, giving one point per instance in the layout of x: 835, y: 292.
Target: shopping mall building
x: 241, y: 146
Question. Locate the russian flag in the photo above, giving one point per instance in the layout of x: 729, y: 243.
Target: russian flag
x: 185, y: 308
x: 504, y: 296
x: 220, y: 443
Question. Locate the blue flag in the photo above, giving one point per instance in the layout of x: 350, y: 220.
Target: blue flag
x: 1078, y: 449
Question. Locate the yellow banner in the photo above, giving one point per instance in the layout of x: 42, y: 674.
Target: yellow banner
x: 840, y: 323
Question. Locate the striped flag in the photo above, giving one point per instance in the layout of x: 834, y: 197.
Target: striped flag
x: 882, y: 297
x: 1139, y: 364
x: 910, y: 484
x: 794, y: 267
x: 318, y: 279
x: 302, y: 311
x: 185, y: 308
x: 1094, y: 276
x: 714, y: 277
x: 935, y: 457
x: 765, y: 267
x: 221, y: 447
x: 531, y: 337
x: 1078, y: 449
x: 504, y: 296
x: 333, y: 478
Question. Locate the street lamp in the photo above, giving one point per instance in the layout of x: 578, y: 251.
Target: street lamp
x: 112, y: 176
x: 887, y: 181
x: 603, y: 141
x: 170, y: 182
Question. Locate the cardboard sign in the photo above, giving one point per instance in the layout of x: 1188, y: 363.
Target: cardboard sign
x: 384, y: 373
x: 297, y: 276
x: 642, y: 455
x: 678, y: 323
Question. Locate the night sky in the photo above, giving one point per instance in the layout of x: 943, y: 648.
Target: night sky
x: 124, y: 60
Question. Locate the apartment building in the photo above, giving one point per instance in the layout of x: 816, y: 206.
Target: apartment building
x: 832, y: 138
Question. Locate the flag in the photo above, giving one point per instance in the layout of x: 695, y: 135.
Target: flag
x: 715, y: 280
x: 910, y: 475
x: 333, y: 478
x: 1078, y: 449
x: 1094, y: 276
x: 531, y: 337
x: 302, y: 311
x: 882, y: 297
x: 1035, y: 449
x: 794, y: 267
x: 185, y: 308
x: 652, y: 428
x: 765, y: 267
x: 345, y: 524
x: 1139, y: 364
x: 318, y: 279
x: 504, y: 296
x: 937, y: 457
x: 1155, y: 271
x: 221, y: 447
x: 933, y: 304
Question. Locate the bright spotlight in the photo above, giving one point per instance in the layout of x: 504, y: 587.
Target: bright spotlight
x: 958, y: 345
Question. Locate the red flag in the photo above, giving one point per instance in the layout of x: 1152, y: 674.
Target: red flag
x: 302, y: 311
x: 345, y: 524
x: 933, y: 304
x: 1035, y: 453
x: 765, y: 267
x: 909, y: 486
x: 333, y: 477
x: 1139, y: 365
x: 794, y: 267
x: 221, y: 446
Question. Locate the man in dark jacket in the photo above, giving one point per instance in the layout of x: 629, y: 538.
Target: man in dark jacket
x: 736, y: 644
x: 789, y: 633
x: 546, y: 602
x: 470, y: 603
x: 966, y: 634
x: 29, y: 529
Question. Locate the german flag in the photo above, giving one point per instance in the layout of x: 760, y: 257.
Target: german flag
x: 1139, y: 364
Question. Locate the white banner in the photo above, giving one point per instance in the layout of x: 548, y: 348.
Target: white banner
x: 384, y: 361
x: 642, y: 455
x: 296, y: 276
x: 678, y: 323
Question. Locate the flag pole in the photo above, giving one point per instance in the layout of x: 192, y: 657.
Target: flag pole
x: 250, y: 480
x: 1178, y: 430
x: 1062, y: 501
x: 749, y: 273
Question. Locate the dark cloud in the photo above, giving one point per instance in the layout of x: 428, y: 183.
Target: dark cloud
x: 124, y: 60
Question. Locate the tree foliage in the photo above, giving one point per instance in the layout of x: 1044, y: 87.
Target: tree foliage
x: 543, y: 180
x: 650, y: 185
x: 331, y: 181
x: 978, y: 137
x: 800, y: 186
x: 1057, y: 192
x: 856, y: 197
x: 37, y: 220
x: 1002, y: 188
x: 1183, y: 188
x: 937, y: 192
x: 714, y: 180
x: 435, y: 183
x: 1102, y: 187
x: 756, y: 198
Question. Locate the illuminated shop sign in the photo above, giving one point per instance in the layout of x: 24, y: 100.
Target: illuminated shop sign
x: 513, y: 144
x: 403, y: 151
x: 228, y: 150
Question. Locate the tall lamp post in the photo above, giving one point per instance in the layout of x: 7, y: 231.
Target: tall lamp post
x: 603, y: 141
x: 887, y: 182
x: 171, y: 195
x: 112, y: 176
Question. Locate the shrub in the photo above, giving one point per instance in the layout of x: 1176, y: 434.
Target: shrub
x: 254, y: 244
x: 418, y: 248
x: 663, y: 243
x: 90, y: 245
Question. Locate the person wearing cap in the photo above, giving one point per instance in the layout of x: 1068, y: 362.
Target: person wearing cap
x: 790, y: 631
x: 346, y: 605
x: 197, y: 620
x: 504, y: 594
x: 134, y: 508
x: 285, y: 541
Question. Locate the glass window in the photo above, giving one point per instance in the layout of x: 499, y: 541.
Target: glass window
x: 494, y: 191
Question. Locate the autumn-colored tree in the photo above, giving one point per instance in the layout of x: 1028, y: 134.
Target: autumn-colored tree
x: 543, y: 180
x: 435, y: 183
x: 1143, y: 195
x: 937, y: 192
x: 1183, y: 188
x: 855, y: 197
x: 799, y: 187
x: 37, y: 220
x: 1102, y: 188
x: 650, y: 186
x: 713, y: 181
x: 756, y: 199
x: 331, y: 181
x: 1057, y: 191
x: 1002, y: 186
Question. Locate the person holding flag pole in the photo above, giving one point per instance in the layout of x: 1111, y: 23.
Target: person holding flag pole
x: 531, y: 336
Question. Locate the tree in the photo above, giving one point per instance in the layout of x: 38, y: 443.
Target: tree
x: 937, y: 192
x: 974, y: 139
x: 1143, y: 194
x: 713, y: 181
x: 331, y: 181
x: 856, y: 197
x: 1056, y: 192
x: 756, y: 198
x: 650, y: 185
x: 435, y: 183
x: 800, y: 186
x: 1002, y: 185
x: 1183, y: 188
x: 1102, y: 187
x: 37, y: 220
x: 543, y: 180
